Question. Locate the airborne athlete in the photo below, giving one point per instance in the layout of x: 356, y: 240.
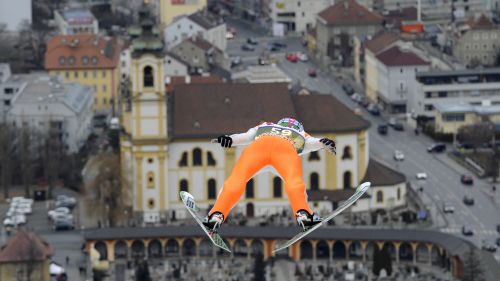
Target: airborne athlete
x: 278, y: 145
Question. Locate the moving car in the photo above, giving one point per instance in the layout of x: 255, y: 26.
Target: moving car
x: 398, y: 155
x: 356, y: 97
x: 466, y: 179
x: 252, y: 41
x: 312, y: 72
x: 61, y: 210
x: 279, y: 44
x: 348, y: 89
x: 467, y: 230
x: 437, y: 147
x: 303, y: 57
x: 235, y: 61
x: 382, y: 129
x: 448, y: 208
x: 229, y: 35
x: 373, y: 109
x: 63, y: 225
x: 398, y: 127
x: 488, y: 246
x: 247, y: 47
x: 292, y: 57
x: 392, y: 121
x: 421, y: 176
x: 468, y: 200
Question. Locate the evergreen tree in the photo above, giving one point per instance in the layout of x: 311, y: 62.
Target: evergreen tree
x: 259, y: 268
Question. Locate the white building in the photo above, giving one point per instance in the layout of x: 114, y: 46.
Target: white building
x: 47, y: 103
x: 197, y: 24
x: 10, y: 86
x: 454, y: 87
x: 296, y: 16
x: 393, y: 84
x: 175, y: 65
x: 76, y: 20
x: 13, y: 13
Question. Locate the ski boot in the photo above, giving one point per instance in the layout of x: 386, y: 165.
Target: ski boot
x: 307, y: 220
x: 213, y: 221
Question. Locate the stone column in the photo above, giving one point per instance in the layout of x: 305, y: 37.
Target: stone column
x: 347, y: 243
x: 110, y: 246
x: 129, y: 249
x: 414, y: 246
x: 231, y: 246
x: 197, y: 242
x: 248, y: 242
x: 313, y: 245
x: 146, y: 247
x: 330, y: 250
x: 429, y: 252
x: 397, y: 245
x: 364, y: 245
x: 180, y: 241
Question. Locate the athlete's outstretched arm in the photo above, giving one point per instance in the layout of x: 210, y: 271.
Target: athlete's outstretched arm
x: 237, y: 139
x: 315, y: 144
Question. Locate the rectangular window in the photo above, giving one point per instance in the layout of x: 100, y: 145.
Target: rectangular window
x: 85, y: 74
x: 66, y: 74
x: 103, y: 74
x: 443, y: 94
x: 104, y: 101
x: 6, y: 102
x: 76, y: 74
x: 104, y: 88
x: 94, y: 74
x: 429, y: 107
x: 428, y: 94
x: 8, y: 91
x: 454, y: 117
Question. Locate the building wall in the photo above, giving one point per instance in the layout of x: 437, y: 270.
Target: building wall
x: 389, y: 196
x: 13, y: 13
x: 174, y: 68
x: 169, y: 9
x: 452, y: 127
x: 40, y: 271
x: 372, y: 75
x: 104, y: 82
x: 481, y: 46
x: 184, y: 28
x: 305, y: 12
x: 191, y: 54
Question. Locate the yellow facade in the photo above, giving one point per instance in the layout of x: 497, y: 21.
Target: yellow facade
x: 169, y: 9
x: 469, y: 118
x: 104, y: 81
x: 39, y: 271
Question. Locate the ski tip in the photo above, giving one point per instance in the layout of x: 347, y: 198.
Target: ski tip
x: 364, y: 186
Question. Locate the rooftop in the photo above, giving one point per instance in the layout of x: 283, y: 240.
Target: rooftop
x: 397, y: 56
x: 460, y: 72
x: 349, y: 12
x: 223, y: 108
x: 25, y: 246
x: 78, y: 16
x: 81, y: 51
x: 466, y: 108
x: 202, y: 20
x: 480, y: 22
x: 262, y: 74
x: 381, y: 175
x: 381, y: 41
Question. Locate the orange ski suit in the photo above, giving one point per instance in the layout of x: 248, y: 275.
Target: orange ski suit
x: 265, y: 150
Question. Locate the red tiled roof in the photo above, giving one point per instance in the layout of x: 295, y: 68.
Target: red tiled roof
x: 87, y: 51
x: 25, y: 246
x: 380, y: 41
x: 181, y: 80
x: 202, y: 43
x: 481, y: 22
x: 349, y: 12
x: 396, y: 57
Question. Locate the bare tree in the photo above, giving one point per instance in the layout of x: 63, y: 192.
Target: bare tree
x: 26, y: 158
x: 476, y: 134
x: 52, y: 153
x: 32, y: 42
x: 7, y: 154
x: 109, y: 189
x: 472, y: 269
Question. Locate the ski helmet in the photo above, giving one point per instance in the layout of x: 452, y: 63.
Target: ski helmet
x: 291, y: 123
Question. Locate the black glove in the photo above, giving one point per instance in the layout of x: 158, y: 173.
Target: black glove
x: 225, y: 141
x: 329, y: 144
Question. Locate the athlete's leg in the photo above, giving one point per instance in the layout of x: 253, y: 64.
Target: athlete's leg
x: 251, y: 160
x: 288, y: 163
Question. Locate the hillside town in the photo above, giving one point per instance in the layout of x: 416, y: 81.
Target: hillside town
x: 109, y: 108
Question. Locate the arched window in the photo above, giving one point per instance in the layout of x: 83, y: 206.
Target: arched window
x: 277, y: 193
x: 314, y: 181
x: 197, y: 157
x: 184, y: 160
x: 151, y: 180
x: 347, y: 153
x: 314, y: 156
x: 183, y: 186
x: 210, y: 159
x: 148, y: 76
x: 249, y: 192
x: 347, y: 180
x: 212, y: 190
x: 399, y: 193
x: 380, y: 196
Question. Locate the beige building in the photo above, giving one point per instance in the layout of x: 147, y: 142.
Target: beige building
x: 25, y: 256
x: 449, y: 118
x: 336, y: 27
x: 478, y: 42
x: 170, y: 9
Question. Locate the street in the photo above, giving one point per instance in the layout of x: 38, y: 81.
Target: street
x: 443, y: 182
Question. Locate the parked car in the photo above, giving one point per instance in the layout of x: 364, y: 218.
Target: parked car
x: 448, y: 208
x: 398, y: 127
x: 303, y: 57
x: 498, y: 241
x: 467, y: 179
x: 292, y: 57
x: 235, y: 61
x: 252, y: 41
x: 271, y: 47
x: 229, y: 35
x: 468, y: 200
x: 437, y: 147
x: 488, y: 246
x: 312, y: 72
x: 17, y: 219
x: 348, y: 89
x: 382, y: 129
x: 421, y: 176
x: 279, y: 44
x: 60, y: 210
x: 373, y: 109
x: 398, y: 155
x: 63, y: 225
x: 247, y: 47
x: 392, y: 121
x: 467, y: 230
x: 68, y: 204
x: 60, y: 216
x: 356, y: 97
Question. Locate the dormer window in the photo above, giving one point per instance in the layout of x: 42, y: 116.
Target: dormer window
x: 94, y: 60
x: 85, y: 60
x: 62, y: 60
x: 71, y: 60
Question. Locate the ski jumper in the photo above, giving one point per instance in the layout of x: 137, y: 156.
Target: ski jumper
x: 269, y: 145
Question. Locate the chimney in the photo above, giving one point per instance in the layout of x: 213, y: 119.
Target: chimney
x: 346, y: 5
x: 188, y: 79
